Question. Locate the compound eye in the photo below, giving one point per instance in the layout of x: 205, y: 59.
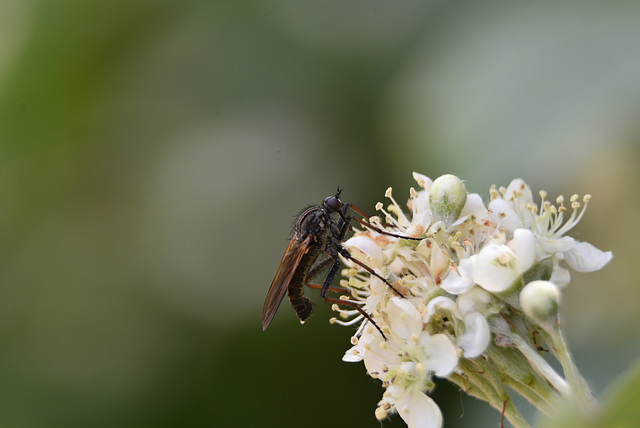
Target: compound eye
x: 332, y: 203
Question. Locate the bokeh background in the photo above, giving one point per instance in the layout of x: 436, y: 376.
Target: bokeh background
x: 154, y: 154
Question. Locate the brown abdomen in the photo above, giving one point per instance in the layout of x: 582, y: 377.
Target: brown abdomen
x: 301, y: 304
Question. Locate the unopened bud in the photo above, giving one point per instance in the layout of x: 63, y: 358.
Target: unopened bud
x: 540, y: 301
x: 448, y: 196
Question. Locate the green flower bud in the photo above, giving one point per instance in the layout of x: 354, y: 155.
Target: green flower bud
x: 447, y: 198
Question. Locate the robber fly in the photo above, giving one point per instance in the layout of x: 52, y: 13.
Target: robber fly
x: 317, y: 233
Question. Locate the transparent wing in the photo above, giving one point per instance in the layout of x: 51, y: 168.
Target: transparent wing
x: 280, y: 284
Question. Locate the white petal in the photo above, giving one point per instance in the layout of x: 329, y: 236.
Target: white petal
x: 475, y: 300
x: 423, y: 181
x: 421, y: 203
x: 560, y: 276
x: 476, y: 336
x: 519, y: 194
x: 442, y: 357
x: 494, y: 268
x: 460, y: 281
x: 376, y: 358
x: 474, y: 206
x: 419, y: 223
x: 365, y: 250
x: 404, y: 318
x: 440, y: 302
x: 503, y: 215
x: 439, y: 262
x: 377, y: 289
x: 435, y: 227
x: 523, y: 246
x: 353, y: 355
x: 519, y: 187
x: 556, y: 245
x: 584, y: 257
x: 418, y: 410
x: 456, y: 284
x: 356, y: 353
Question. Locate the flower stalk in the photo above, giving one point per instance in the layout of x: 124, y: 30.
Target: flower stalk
x: 581, y: 392
x: 481, y: 298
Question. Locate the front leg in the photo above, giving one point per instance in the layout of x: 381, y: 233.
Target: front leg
x: 345, y: 253
x: 326, y: 285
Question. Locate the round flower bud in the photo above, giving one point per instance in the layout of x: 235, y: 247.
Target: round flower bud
x: 540, y: 301
x: 447, y: 198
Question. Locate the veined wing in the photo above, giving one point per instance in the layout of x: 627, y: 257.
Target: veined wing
x: 280, y: 284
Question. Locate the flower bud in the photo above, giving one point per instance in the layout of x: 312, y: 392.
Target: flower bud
x: 540, y: 301
x: 448, y: 196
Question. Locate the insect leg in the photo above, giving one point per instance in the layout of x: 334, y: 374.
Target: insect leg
x: 370, y: 226
x: 332, y: 289
x: 325, y: 286
x: 329, y: 279
x: 343, y: 227
x: 322, y: 265
x: 359, y: 309
x: 344, y: 253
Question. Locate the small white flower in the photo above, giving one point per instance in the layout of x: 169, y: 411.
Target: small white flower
x: 471, y: 329
x: 496, y: 267
x: 460, y: 280
x: 503, y: 215
x: 515, y: 209
x: 406, y: 361
x: 408, y: 342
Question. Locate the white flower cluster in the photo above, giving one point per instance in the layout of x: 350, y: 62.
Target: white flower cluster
x: 465, y: 313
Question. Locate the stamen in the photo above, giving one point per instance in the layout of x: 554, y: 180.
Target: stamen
x: 395, y: 208
x: 348, y: 313
x: 543, y: 194
x: 389, y: 218
x: 387, y: 193
x: 493, y: 192
x: 347, y: 323
x: 576, y: 215
x: 358, y: 332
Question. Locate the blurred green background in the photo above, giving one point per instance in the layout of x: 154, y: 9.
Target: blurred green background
x: 154, y: 154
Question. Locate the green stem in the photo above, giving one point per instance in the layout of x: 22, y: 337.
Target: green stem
x: 513, y: 415
x: 541, y: 366
x: 476, y: 385
x: 528, y: 384
x: 581, y: 391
